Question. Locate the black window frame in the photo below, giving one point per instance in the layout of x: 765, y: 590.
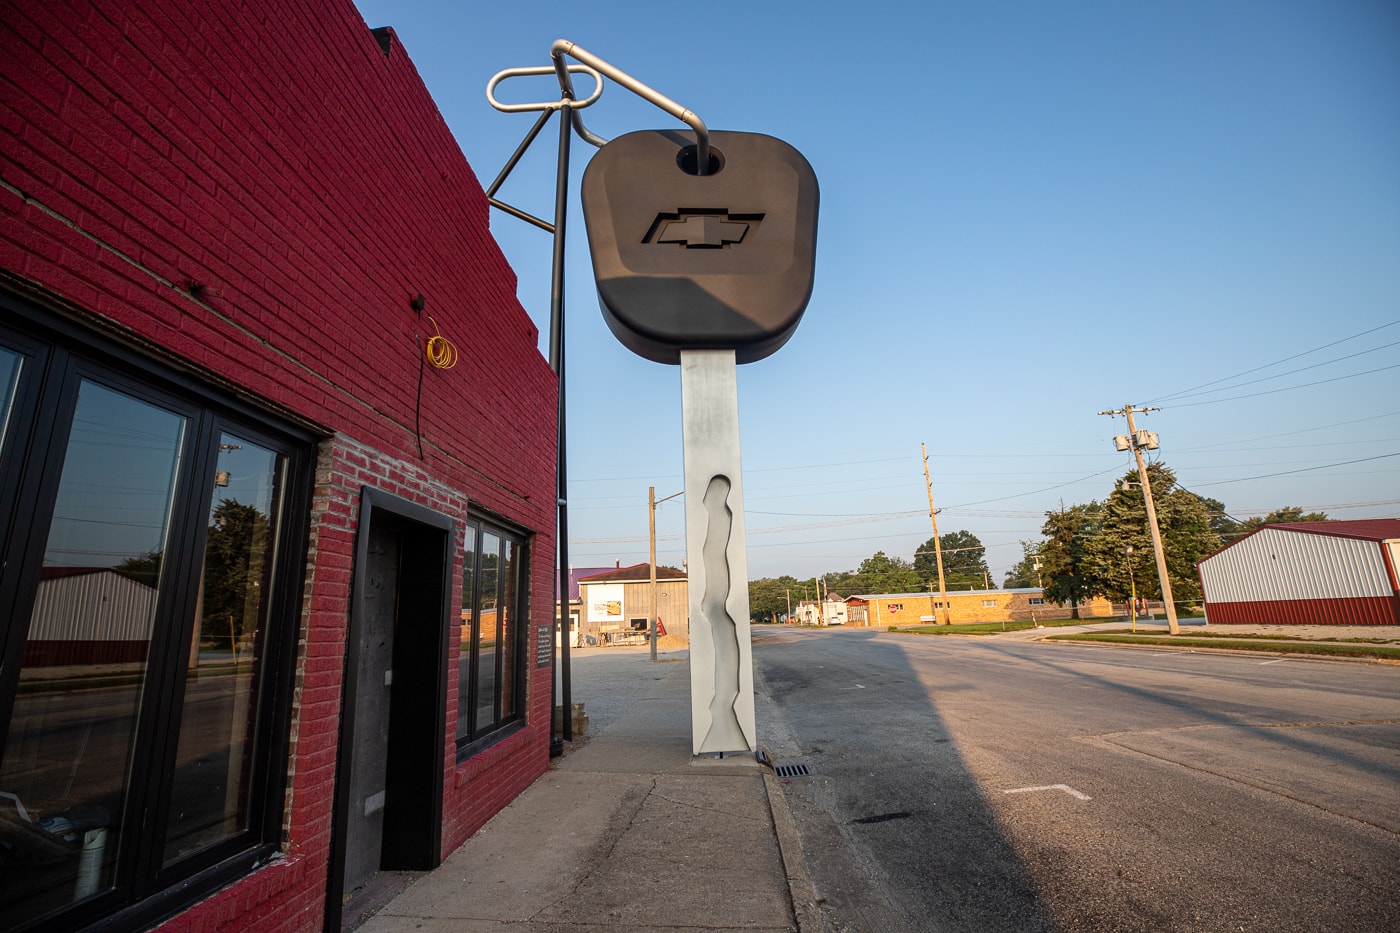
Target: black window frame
x: 477, y: 525
x: 61, y: 351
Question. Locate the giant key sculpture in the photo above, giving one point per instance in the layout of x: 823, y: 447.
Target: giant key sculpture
x: 706, y: 270
x: 704, y: 252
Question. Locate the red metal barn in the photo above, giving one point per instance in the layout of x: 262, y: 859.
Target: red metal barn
x: 1307, y: 573
x: 276, y: 571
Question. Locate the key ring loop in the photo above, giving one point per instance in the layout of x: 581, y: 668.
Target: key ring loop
x: 561, y: 104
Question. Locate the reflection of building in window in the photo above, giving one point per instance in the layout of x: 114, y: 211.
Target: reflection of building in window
x: 89, y: 615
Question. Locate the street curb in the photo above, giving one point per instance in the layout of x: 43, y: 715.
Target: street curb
x: 801, y: 891
x: 1223, y: 649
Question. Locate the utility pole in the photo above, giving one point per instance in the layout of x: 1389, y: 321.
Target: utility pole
x: 937, y: 545
x: 652, y: 503
x: 1137, y: 441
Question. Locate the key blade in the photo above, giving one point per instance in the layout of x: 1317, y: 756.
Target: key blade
x: 721, y: 661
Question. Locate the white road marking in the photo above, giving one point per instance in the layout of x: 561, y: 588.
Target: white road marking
x: 1275, y: 661
x: 1064, y: 787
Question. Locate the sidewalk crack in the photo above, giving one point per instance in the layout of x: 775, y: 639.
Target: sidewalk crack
x: 691, y: 806
x: 596, y: 861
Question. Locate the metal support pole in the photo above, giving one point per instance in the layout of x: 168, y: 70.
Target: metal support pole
x: 556, y: 362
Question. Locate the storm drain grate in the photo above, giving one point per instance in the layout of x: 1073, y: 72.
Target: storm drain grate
x: 787, y: 771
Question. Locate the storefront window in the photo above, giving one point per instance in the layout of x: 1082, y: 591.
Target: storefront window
x: 68, y: 751
x: 491, y: 675
x: 218, y: 733
x: 148, y: 618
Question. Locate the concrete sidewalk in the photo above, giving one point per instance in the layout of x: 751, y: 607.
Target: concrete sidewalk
x: 626, y: 831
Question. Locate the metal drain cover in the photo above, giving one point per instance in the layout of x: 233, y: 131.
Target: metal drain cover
x: 787, y: 771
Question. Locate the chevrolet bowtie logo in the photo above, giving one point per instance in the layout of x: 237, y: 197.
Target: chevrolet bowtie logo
x: 702, y: 229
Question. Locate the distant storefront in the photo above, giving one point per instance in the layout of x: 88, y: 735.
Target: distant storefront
x: 617, y: 603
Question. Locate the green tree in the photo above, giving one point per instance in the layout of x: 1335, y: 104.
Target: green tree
x: 841, y: 583
x: 1283, y: 516
x: 1221, y: 522
x: 880, y: 573
x: 1188, y: 535
x: 964, y: 562
x: 235, y: 563
x: 768, y: 597
x: 144, y: 569
x: 1025, y: 575
x: 1068, y: 566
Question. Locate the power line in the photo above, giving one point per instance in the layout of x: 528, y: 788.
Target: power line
x: 963, y: 505
x: 1256, y: 369
x: 1305, y: 385
x: 1242, y: 479
x: 1270, y: 437
x: 1301, y: 369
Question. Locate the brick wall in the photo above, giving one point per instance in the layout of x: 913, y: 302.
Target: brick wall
x: 255, y: 190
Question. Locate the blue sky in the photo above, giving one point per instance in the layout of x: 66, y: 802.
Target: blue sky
x: 1030, y: 212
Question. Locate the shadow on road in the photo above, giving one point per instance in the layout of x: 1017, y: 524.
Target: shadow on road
x: 896, y: 832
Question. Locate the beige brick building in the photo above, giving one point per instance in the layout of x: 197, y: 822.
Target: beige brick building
x: 881, y: 610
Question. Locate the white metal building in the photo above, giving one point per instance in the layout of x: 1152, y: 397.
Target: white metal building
x: 1307, y: 573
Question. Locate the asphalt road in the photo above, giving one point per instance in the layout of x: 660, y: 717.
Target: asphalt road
x: 997, y: 784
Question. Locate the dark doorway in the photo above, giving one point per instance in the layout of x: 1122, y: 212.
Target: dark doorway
x: 389, y: 769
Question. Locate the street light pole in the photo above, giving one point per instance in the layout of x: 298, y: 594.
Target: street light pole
x: 1132, y: 590
x: 652, y: 503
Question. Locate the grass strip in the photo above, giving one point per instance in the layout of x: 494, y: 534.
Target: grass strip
x: 981, y: 628
x: 1253, y: 636
x: 1336, y: 650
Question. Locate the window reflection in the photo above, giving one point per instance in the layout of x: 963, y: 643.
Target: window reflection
x: 468, y: 637
x: 510, y: 587
x: 488, y: 631
x: 68, y: 749
x: 217, y: 727
x: 10, y: 364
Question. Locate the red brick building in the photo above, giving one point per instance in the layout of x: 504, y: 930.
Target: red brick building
x: 295, y: 617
